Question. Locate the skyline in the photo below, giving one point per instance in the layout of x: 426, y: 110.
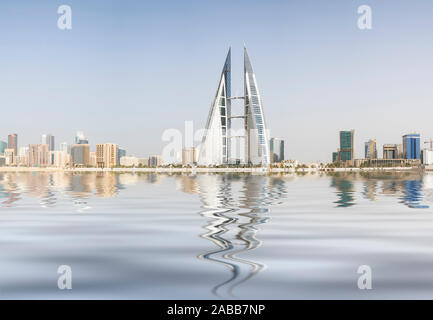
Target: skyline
x: 149, y: 67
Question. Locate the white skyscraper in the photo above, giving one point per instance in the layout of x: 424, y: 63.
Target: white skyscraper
x: 216, y: 147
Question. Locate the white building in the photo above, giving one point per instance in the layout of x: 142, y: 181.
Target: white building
x: 215, y: 148
x: 129, y: 161
x: 427, y: 157
x: 59, y: 159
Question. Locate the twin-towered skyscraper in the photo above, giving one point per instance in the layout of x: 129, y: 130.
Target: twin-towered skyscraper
x: 216, y: 144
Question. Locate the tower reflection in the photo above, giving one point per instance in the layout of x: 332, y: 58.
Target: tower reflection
x: 235, y: 206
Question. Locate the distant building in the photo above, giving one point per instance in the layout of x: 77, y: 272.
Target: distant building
x: 155, y: 161
x: 23, y: 156
x: 49, y: 140
x: 80, y: 139
x: 10, y: 157
x: 120, y: 153
x: 13, y: 142
x: 335, y: 157
x: 277, y: 150
x: 188, y: 156
x: 412, y: 146
x: 93, y: 161
x: 129, y: 161
x: 371, y: 149
x: 2, y: 161
x: 59, y: 159
x: 392, y: 151
x: 106, y: 155
x: 80, y: 155
x: 427, y: 157
x: 38, y: 155
x: 3, y: 147
x: 64, y: 146
x: 347, y: 145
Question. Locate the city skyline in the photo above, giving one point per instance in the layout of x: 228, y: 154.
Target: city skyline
x: 112, y: 86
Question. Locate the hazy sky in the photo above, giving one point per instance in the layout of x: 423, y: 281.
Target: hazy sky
x: 128, y: 70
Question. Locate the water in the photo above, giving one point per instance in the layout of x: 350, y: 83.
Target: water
x: 207, y: 236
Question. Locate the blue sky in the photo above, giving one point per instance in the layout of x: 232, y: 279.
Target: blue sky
x: 128, y: 70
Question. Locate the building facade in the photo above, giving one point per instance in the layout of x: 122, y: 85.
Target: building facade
x: 215, y: 148
x: 10, y: 157
x: 276, y: 150
x: 188, y: 156
x: 106, y: 155
x: 412, y: 146
x: 155, y: 161
x: 347, y: 149
x: 371, y: 149
x: 3, y: 147
x: 427, y: 157
x: 13, y: 142
x: 80, y: 155
x: 49, y: 140
x: 38, y: 155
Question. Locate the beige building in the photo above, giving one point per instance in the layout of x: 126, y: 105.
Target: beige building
x: 129, y: 161
x: 106, y: 155
x: 38, y: 155
x: 59, y: 159
x: 93, y: 159
x: 10, y: 157
x: 188, y: 156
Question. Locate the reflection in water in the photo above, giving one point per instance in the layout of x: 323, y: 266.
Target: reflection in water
x: 235, y: 207
x: 412, y: 194
x: 345, y: 191
x: 233, y: 222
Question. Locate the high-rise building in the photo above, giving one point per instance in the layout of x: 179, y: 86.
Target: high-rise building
x: 216, y: 147
x: 391, y: 151
x: 371, y: 149
x: 49, y: 140
x: 106, y: 155
x: 23, y: 156
x: 347, y: 146
x: 38, y: 155
x: 10, y: 157
x: 120, y: 153
x: 93, y: 162
x: 257, y: 140
x: 64, y: 146
x: 277, y: 150
x: 188, y: 156
x: 427, y: 156
x: 3, y: 147
x: 155, y: 161
x: 335, y: 157
x: 59, y: 159
x: 80, y: 139
x: 80, y: 155
x: 412, y: 146
x: 13, y: 142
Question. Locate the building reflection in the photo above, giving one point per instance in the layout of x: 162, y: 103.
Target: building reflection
x: 345, y: 190
x: 234, y: 206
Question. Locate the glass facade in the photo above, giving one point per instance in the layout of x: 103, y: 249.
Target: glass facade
x: 412, y: 146
x: 347, y: 145
x: 3, y: 147
x: 258, y: 150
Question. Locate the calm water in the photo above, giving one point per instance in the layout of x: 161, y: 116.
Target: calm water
x: 150, y: 236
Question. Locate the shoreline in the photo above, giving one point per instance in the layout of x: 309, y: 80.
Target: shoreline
x: 209, y: 170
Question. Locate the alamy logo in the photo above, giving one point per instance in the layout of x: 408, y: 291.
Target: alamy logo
x: 365, y: 280
x: 65, y: 20
x: 365, y: 21
x: 65, y: 278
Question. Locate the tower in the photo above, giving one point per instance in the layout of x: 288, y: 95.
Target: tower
x: 215, y: 147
